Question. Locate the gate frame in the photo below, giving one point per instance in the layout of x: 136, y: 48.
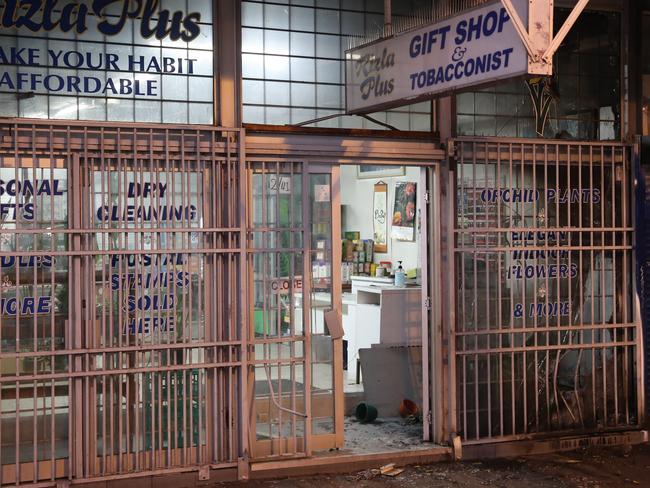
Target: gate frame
x: 450, y: 430
x: 72, y: 141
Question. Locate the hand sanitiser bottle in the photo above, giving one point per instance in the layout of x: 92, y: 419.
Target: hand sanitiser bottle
x: 400, y: 276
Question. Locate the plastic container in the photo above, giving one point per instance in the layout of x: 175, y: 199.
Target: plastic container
x: 408, y: 408
x: 400, y: 276
x: 365, y: 413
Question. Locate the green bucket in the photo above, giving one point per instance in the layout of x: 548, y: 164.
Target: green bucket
x: 365, y: 413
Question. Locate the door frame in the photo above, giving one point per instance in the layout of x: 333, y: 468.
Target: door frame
x: 302, y: 446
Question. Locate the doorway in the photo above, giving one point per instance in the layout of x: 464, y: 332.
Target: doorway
x: 325, y: 333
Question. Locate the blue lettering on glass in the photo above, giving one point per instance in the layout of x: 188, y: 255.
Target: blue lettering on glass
x: 130, y: 260
x: 146, y: 303
x: 78, y: 84
x: 147, y: 325
x: 26, y: 262
x: 11, y: 211
x: 551, y: 309
x: 549, y: 237
x: 530, y: 195
x: 159, y: 302
x: 13, y: 306
x: 148, y: 280
x: 35, y: 188
x: 529, y: 271
x: 26, y: 188
x: 144, y: 213
x: 47, y: 15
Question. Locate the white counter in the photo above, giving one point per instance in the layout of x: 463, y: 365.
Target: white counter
x: 382, y: 314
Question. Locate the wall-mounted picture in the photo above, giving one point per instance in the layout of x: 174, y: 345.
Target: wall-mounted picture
x: 380, y: 217
x: 365, y: 171
x: 403, y: 228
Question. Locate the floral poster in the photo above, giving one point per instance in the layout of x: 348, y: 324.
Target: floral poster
x: 403, y: 227
x: 380, y: 217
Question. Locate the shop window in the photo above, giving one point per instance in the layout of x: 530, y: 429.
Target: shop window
x: 585, y: 90
x: 300, y: 45
x: 33, y: 308
x: 92, y: 76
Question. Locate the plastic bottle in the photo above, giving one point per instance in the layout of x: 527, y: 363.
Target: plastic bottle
x: 400, y: 276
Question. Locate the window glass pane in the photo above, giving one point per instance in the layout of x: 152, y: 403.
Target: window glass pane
x: 303, y: 94
x: 201, y: 113
x: 276, y: 67
x: 252, y: 40
x: 299, y: 115
x: 277, y: 115
x: 585, y: 87
x: 174, y: 112
x: 276, y: 16
x: 252, y: 66
x: 328, y: 71
x: 302, y: 18
x: 328, y: 21
x: 252, y: 14
x: 329, y: 96
x: 8, y: 104
x: 253, y: 91
x: 303, y: 41
x: 148, y: 111
x: 302, y: 69
x: 201, y: 89
x: 351, y: 23
x: 276, y: 42
x: 328, y: 46
x: 277, y: 92
x: 302, y: 44
x: 253, y: 114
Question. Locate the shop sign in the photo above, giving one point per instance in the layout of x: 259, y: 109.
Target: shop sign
x: 475, y: 48
x: 285, y: 286
x: 144, y: 50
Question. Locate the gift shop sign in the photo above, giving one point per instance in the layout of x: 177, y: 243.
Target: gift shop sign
x: 471, y: 49
x: 83, y: 48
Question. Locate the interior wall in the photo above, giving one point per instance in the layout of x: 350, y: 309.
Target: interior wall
x: 357, y: 197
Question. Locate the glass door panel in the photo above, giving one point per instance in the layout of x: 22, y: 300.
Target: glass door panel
x: 322, y: 350
x: 279, y: 383
x: 294, y: 378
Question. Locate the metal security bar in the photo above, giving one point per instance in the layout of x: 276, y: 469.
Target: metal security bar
x: 280, y: 301
x: 123, y: 301
x: 546, y: 338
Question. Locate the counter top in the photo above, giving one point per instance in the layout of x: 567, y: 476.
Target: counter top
x: 390, y: 288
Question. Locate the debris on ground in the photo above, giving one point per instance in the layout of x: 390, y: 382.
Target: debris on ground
x: 590, y: 467
x: 391, y: 470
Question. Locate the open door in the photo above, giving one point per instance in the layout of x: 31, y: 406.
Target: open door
x: 296, y: 380
x: 430, y: 249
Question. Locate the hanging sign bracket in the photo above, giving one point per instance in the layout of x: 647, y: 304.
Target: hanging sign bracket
x: 538, y: 38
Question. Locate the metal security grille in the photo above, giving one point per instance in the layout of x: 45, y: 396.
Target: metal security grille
x: 282, y: 380
x: 123, y: 301
x: 547, y: 333
x: 293, y: 285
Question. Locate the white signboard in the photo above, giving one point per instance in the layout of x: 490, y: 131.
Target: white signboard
x: 471, y: 49
x: 116, y: 60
